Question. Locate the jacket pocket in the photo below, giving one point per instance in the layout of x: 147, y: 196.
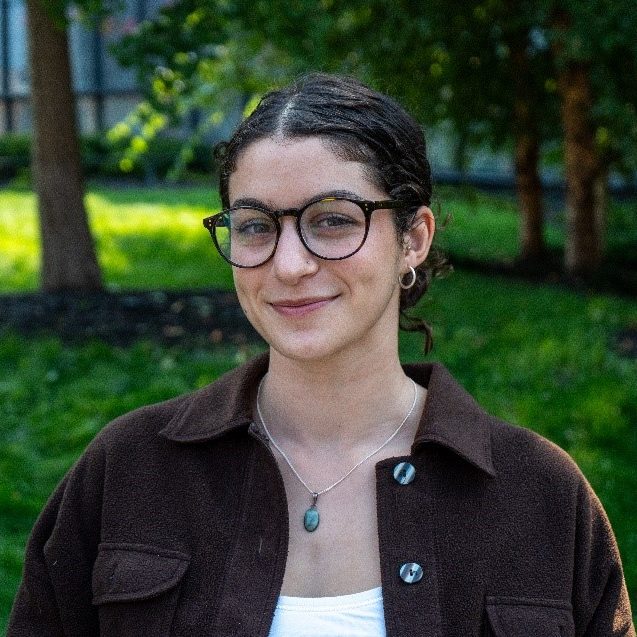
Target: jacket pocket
x: 136, y: 588
x: 525, y: 617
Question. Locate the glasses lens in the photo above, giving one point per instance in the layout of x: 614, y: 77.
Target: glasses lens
x: 333, y: 228
x: 246, y: 237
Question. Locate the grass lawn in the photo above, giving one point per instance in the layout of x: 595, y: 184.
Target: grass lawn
x: 484, y: 227
x: 145, y: 238
x: 535, y: 355
x: 154, y: 238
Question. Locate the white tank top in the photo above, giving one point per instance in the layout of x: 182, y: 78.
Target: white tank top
x: 357, y: 615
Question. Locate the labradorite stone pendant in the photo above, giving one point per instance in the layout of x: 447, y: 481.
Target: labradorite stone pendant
x: 311, y: 518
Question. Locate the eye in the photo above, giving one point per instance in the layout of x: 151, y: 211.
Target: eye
x: 251, y: 223
x: 333, y: 216
x: 332, y: 220
x: 256, y: 226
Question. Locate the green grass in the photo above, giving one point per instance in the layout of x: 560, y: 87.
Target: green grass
x: 485, y: 227
x: 154, y: 238
x: 480, y: 226
x: 144, y: 238
x: 535, y: 355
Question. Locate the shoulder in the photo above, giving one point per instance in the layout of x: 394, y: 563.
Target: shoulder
x: 129, y: 444
x: 144, y: 423
x: 549, y: 515
x: 197, y: 416
x: 510, y: 454
x: 520, y: 451
x: 538, y: 481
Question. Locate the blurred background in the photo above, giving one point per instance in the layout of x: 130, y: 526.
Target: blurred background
x: 112, y: 295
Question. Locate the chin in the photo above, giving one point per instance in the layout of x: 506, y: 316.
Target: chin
x: 307, y: 348
x: 303, y: 352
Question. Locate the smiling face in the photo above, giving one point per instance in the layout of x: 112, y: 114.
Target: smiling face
x: 305, y: 307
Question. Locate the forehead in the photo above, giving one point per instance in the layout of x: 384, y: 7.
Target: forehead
x: 288, y: 172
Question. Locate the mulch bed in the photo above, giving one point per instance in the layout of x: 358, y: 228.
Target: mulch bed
x: 121, y: 318
x: 616, y: 276
x: 212, y: 316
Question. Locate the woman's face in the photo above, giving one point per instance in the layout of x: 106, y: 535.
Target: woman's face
x: 305, y: 307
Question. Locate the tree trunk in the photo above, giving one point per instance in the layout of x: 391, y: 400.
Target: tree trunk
x: 68, y: 254
x: 529, y: 189
x: 583, y: 248
x: 527, y: 155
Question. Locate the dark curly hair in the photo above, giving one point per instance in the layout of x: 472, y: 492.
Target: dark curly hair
x: 358, y: 124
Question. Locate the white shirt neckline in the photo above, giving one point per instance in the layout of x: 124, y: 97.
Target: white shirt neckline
x: 356, y: 615
x: 333, y: 603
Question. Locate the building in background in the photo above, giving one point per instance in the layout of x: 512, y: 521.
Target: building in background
x: 105, y: 91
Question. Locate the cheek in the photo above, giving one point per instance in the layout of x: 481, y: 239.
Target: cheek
x: 245, y: 287
x: 374, y: 280
x: 383, y: 262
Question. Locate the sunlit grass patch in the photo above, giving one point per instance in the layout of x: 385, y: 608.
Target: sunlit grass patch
x: 142, y: 243
x: 145, y: 239
x: 19, y: 241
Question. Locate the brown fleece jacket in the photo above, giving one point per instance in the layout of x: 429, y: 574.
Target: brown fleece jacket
x: 175, y: 522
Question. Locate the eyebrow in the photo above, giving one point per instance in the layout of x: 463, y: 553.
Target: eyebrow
x: 257, y: 203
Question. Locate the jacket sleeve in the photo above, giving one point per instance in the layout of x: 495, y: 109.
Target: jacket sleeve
x: 600, y: 599
x: 54, y: 597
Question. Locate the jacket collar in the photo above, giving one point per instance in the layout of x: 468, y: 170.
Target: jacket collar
x: 451, y: 417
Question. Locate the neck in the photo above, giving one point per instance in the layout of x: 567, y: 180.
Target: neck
x: 320, y: 403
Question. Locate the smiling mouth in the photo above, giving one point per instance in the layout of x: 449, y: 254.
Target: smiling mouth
x: 299, y: 307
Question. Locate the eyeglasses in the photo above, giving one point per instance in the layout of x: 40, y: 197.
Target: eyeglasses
x: 331, y: 228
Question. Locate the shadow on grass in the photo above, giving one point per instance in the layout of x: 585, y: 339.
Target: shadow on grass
x: 162, y: 258
x: 163, y: 195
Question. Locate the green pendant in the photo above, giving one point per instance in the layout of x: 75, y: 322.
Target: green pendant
x: 311, y: 518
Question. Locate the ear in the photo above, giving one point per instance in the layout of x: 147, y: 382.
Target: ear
x: 417, y: 240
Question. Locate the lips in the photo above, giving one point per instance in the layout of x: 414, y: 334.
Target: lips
x: 302, y: 306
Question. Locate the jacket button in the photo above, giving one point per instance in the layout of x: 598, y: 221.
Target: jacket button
x: 410, y: 573
x: 404, y: 473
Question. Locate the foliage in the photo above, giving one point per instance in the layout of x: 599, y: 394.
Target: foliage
x: 103, y: 156
x: 466, y: 62
x: 601, y: 35
x: 15, y: 154
x: 198, y: 58
x: 89, y: 12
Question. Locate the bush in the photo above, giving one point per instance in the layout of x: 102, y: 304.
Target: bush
x: 101, y: 158
x: 15, y: 154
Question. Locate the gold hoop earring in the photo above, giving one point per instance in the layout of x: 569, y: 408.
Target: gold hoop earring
x: 406, y: 286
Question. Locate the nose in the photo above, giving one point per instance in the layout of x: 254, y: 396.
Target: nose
x: 292, y: 260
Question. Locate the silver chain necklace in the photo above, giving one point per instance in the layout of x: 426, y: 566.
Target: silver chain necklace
x: 311, y: 518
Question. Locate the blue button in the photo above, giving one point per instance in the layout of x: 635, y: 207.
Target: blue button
x: 410, y: 573
x: 404, y: 473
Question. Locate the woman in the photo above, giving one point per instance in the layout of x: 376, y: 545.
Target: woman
x: 323, y: 489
